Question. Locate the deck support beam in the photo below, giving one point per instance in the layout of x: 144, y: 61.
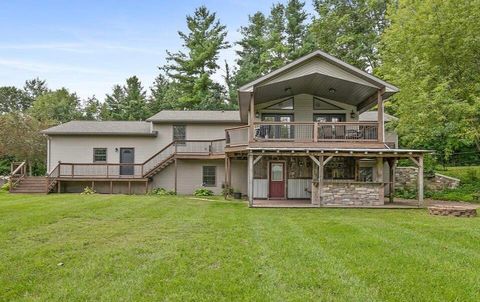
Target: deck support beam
x: 420, y: 181
x: 250, y: 179
x: 380, y: 179
x: 380, y: 112
x: 176, y: 175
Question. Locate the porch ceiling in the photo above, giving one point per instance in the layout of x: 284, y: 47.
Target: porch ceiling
x: 317, y: 84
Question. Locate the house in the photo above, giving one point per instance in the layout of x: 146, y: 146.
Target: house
x: 303, y: 133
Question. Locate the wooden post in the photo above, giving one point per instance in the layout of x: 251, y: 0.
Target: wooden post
x: 391, y: 184
x: 111, y: 187
x: 146, y: 186
x: 93, y: 185
x: 129, y: 187
x: 320, y: 180
x: 315, y: 132
x: 380, y: 112
x: 250, y: 179
x: 59, y: 187
x: 420, y: 181
x: 176, y: 174
x: 72, y: 170
x: 381, y: 193
x: 252, y: 118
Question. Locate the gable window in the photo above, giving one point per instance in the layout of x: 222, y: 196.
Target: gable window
x: 321, y: 104
x: 283, y: 105
x: 99, y: 155
x: 209, y: 177
x: 179, y: 132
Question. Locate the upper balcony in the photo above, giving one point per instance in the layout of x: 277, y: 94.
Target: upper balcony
x: 305, y: 134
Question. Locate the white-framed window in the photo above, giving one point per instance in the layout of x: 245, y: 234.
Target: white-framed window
x: 99, y: 155
x: 209, y: 176
x: 366, y: 174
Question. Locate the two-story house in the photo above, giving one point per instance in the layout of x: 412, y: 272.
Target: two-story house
x: 298, y: 136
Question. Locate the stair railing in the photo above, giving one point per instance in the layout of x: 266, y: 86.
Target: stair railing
x: 52, y: 178
x: 185, y: 147
x: 159, y: 157
x: 18, y: 171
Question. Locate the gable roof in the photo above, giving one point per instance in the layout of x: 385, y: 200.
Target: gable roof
x: 106, y: 128
x: 331, y: 59
x: 317, y: 73
x: 196, y: 116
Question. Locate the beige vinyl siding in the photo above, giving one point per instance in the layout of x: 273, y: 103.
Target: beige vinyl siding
x: 190, y: 172
x: 79, y: 149
x: 189, y: 176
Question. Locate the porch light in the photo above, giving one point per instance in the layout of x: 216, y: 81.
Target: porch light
x: 332, y: 90
x: 352, y: 114
x: 257, y: 114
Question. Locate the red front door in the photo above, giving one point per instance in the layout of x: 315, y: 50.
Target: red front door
x: 277, y: 180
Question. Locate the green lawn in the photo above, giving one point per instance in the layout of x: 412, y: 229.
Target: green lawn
x: 147, y: 248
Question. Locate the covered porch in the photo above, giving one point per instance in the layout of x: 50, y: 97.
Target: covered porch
x: 294, y: 177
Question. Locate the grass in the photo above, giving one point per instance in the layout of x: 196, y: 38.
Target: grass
x: 469, y: 189
x: 151, y: 248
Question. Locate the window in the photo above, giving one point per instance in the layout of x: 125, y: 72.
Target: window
x: 283, y: 105
x: 327, y: 117
x: 99, y: 155
x: 209, y: 176
x: 319, y: 104
x: 340, y: 168
x: 277, y: 172
x: 366, y: 174
x: 179, y: 132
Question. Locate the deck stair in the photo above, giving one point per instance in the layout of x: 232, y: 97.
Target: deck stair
x: 159, y: 167
x: 30, y: 184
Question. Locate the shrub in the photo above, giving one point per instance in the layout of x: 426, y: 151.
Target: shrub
x: 88, y: 191
x: 406, y: 193
x: 162, y: 192
x: 227, y: 191
x: 203, y: 192
x: 5, y: 186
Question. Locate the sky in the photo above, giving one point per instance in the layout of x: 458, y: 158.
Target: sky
x: 88, y: 46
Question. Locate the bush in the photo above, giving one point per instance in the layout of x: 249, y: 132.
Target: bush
x: 227, y: 191
x: 88, y: 191
x: 203, y: 192
x: 162, y: 192
x: 406, y: 193
x: 5, y: 186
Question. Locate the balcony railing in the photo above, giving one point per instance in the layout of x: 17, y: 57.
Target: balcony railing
x: 187, y: 148
x: 304, y: 132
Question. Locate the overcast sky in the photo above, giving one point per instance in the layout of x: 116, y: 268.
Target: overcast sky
x: 88, y: 46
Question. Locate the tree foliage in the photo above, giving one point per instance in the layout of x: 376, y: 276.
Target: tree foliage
x: 431, y: 52
x: 57, y: 106
x: 192, y: 68
x: 350, y: 29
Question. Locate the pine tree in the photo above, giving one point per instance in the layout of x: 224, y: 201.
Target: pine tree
x: 191, y: 70
x: 295, y: 29
x: 253, y: 53
x: 113, y: 103
x: 276, y: 37
x: 134, y: 106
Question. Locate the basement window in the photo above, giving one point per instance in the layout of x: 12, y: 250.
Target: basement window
x: 209, y: 176
x: 99, y: 155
